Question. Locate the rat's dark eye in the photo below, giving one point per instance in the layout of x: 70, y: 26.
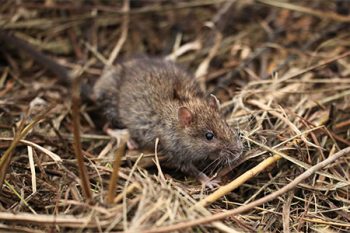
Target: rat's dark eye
x: 209, y: 136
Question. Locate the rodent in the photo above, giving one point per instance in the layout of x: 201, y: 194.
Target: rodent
x: 154, y: 98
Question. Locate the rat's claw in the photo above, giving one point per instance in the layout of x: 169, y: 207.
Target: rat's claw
x: 212, y: 184
x: 207, y: 182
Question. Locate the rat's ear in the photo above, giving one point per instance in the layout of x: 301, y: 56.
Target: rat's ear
x: 185, y: 116
x: 214, y: 103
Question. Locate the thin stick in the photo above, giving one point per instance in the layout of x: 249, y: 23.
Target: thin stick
x: 32, y: 168
x: 333, y: 59
x: 203, y: 67
x: 84, y: 178
x: 306, y: 10
x: 52, y: 155
x: 51, y: 220
x: 239, y: 181
x: 124, y: 34
x: 115, y: 173
x: 256, y: 203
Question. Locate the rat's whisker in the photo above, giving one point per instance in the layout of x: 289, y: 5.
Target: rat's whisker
x: 212, y: 163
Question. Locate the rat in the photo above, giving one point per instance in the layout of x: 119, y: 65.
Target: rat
x: 154, y: 98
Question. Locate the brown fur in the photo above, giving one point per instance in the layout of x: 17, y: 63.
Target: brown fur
x: 145, y: 96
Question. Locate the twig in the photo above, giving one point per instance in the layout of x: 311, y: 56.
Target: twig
x: 43, y: 219
x: 203, y: 67
x: 239, y: 181
x: 11, y: 228
x: 115, y: 173
x: 124, y: 34
x: 52, y: 155
x: 256, y: 203
x: 126, y: 191
x: 286, y: 213
x: 318, y: 13
x: 150, y: 9
x: 94, y: 51
x: 84, y: 178
x: 333, y: 59
x: 32, y: 168
x: 193, y: 45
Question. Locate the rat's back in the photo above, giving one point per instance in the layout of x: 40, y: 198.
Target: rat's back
x: 133, y: 94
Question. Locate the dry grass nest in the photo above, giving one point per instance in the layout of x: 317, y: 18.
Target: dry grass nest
x: 281, y: 70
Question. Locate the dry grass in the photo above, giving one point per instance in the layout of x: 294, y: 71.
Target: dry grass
x: 281, y: 70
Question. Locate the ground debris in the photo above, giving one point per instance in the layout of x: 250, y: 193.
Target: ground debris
x: 281, y: 70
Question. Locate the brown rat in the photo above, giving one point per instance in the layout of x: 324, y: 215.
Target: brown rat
x: 154, y: 98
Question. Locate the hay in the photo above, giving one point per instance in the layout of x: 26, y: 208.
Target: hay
x: 281, y: 70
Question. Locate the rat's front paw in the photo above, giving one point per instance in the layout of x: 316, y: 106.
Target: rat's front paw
x: 118, y: 133
x: 122, y: 134
x: 207, y: 182
x: 212, y: 184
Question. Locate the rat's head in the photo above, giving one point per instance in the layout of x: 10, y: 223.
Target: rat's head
x: 205, y: 133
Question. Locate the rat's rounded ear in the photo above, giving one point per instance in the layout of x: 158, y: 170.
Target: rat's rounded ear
x: 214, y: 103
x: 185, y: 116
